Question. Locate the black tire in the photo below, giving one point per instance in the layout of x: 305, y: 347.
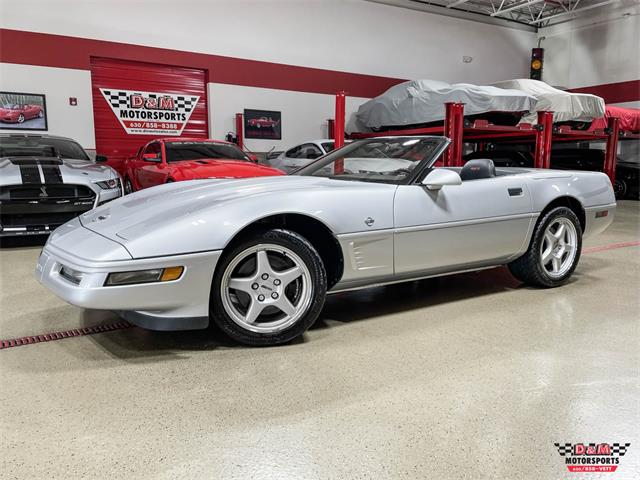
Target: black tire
x: 620, y: 189
x: 40, y: 114
x: 169, y: 180
x: 305, y: 251
x: 529, y: 268
x: 21, y: 118
x: 128, y: 186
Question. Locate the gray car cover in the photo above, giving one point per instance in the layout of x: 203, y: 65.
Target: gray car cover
x: 564, y: 105
x: 422, y: 101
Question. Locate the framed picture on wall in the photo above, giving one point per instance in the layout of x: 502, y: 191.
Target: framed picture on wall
x: 23, y: 111
x: 265, y: 124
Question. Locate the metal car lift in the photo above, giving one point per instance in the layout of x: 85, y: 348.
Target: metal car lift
x: 481, y: 131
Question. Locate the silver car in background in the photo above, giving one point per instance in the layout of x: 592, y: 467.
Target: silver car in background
x: 302, y: 155
x: 46, y: 181
x: 257, y: 256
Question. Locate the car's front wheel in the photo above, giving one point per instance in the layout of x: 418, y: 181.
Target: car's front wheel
x: 268, y: 289
x: 128, y: 186
x: 554, y: 250
x: 20, y: 118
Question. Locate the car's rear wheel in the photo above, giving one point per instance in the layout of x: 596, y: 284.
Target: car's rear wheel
x: 128, y: 186
x: 554, y: 250
x: 620, y: 188
x: 40, y: 114
x: 20, y: 118
x: 268, y: 289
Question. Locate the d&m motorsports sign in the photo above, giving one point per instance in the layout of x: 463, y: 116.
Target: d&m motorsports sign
x: 150, y: 113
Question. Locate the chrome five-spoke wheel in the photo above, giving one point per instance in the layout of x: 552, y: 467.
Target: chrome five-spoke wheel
x: 266, y: 288
x: 554, y: 250
x: 558, y: 248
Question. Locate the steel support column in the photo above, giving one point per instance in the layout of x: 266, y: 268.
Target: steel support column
x: 543, y: 140
x: 338, y: 126
x: 453, y: 129
x: 338, y: 131
x: 239, y: 130
x: 613, y: 132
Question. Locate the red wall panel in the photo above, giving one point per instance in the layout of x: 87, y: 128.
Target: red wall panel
x: 111, y: 138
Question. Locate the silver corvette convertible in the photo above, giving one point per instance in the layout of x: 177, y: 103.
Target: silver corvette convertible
x: 45, y: 181
x: 257, y: 256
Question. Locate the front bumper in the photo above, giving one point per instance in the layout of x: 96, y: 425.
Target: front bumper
x: 175, y: 305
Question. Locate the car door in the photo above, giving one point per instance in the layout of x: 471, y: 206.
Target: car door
x: 150, y: 171
x: 479, y: 222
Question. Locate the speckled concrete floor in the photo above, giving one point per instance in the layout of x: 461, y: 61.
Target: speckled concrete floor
x: 471, y: 376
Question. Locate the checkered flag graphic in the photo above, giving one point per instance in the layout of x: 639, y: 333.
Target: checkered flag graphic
x: 619, y: 449
x: 186, y: 103
x: 564, y: 449
x: 116, y: 99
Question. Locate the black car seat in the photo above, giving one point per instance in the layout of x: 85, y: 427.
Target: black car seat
x: 477, y: 169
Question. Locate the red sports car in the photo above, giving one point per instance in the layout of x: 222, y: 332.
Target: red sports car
x: 19, y: 112
x: 262, y: 122
x: 174, y: 159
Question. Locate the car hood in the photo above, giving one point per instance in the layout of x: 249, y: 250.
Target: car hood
x: 214, y: 168
x: 183, y: 217
x: 74, y: 171
x: 4, y: 111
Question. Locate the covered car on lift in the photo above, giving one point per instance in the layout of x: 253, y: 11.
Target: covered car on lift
x: 578, y: 108
x: 422, y: 102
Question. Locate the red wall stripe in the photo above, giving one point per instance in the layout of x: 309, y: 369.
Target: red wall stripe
x: 614, y: 92
x: 30, y: 48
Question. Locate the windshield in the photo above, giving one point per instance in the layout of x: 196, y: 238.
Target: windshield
x: 11, y: 106
x: 178, y: 151
x: 385, y: 160
x: 40, y: 147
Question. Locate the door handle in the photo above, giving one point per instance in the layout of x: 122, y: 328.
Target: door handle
x: 515, y: 192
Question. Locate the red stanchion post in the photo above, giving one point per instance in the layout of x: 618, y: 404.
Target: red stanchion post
x: 338, y: 130
x: 613, y: 132
x: 239, y: 130
x: 453, y: 129
x: 544, y: 134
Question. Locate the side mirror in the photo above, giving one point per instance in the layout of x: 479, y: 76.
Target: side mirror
x: 440, y: 177
x: 252, y: 157
x: 150, y: 157
x: 101, y: 158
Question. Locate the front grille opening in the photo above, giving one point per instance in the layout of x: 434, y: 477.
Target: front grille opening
x: 71, y: 275
x: 46, y: 191
x: 50, y: 220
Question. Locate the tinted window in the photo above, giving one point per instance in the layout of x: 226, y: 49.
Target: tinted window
x: 294, y: 152
x: 41, y: 146
x: 328, y: 146
x: 153, y: 148
x: 177, y: 151
x: 311, y: 151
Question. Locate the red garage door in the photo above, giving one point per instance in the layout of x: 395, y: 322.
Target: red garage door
x: 136, y: 102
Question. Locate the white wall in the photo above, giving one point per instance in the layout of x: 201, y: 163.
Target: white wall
x: 593, y: 50
x: 57, y: 84
x: 346, y: 35
x: 304, y: 115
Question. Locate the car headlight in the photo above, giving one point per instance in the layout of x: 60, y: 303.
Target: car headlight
x: 108, y: 184
x: 144, y: 276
